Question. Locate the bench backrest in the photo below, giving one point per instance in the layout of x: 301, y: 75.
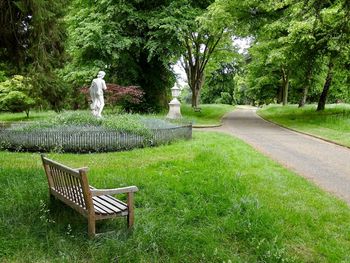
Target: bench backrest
x: 69, y: 185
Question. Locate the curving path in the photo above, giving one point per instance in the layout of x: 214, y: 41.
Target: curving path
x: 324, y: 163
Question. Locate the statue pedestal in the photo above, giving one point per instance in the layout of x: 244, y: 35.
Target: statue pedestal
x: 174, y: 109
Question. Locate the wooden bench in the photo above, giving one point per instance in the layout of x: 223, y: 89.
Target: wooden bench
x: 72, y: 188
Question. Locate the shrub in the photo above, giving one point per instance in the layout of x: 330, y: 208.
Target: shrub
x: 17, y: 95
x: 225, y: 98
x: 17, y: 101
x: 125, y: 96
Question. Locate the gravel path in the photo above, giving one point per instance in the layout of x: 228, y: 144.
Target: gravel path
x: 326, y: 164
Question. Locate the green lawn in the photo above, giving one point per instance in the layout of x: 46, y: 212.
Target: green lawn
x: 210, y: 114
x: 211, y: 199
x: 332, y: 124
x: 21, y: 116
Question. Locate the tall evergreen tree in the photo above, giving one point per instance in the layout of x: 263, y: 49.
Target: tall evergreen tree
x: 32, y: 43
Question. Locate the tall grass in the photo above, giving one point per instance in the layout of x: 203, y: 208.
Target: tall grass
x: 213, y: 199
x: 332, y: 123
x: 83, y: 120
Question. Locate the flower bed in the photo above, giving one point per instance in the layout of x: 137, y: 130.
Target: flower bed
x: 102, y: 136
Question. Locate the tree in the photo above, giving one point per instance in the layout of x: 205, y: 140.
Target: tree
x: 197, y: 33
x: 319, y: 29
x: 17, y: 95
x: 334, y: 34
x: 221, y: 85
x: 16, y: 101
x: 32, y: 42
x: 304, y: 37
x: 267, y: 22
x: 118, y: 37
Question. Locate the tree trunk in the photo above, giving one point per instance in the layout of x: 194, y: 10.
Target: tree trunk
x: 285, y: 87
x: 306, y: 86
x: 196, y: 86
x: 199, y: 48
x: 304, y: 96
x: 279, y: 95
x: 196, y: 95
x: 194, y: 100
x: 285, y: 91
x: 323, y: 98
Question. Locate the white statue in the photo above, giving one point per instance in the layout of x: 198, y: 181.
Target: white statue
x: 97, y: 87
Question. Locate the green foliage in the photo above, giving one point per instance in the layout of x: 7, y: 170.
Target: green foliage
x: 186, y: 95
x: 2, y: 75
x: 53, y: 91
x: 117, y: 37
x: 199, y: 38
x: 17, y: 95
x: 221, y: 84
x: 17, y: 101
x: 295, y: 42
x: 225, y: 98
x: 32, y: 44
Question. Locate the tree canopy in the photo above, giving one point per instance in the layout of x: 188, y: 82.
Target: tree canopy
x: 295, y: 44
x: 299, y: 49
x: 32, y: 43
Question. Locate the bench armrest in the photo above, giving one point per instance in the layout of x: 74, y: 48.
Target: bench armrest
x: 122, y: 190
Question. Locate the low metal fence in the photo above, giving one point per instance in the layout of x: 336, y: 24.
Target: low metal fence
x: 88, y: 141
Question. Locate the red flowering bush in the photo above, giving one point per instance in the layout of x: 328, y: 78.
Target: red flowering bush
x: 125, y: 96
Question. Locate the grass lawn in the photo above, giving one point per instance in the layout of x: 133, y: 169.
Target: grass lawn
x: 333, y: 123
x: 211, y: 199
x: 210, y: 114
x: 21, y: 116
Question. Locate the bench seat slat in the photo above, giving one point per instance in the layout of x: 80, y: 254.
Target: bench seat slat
x: 106, y: 205
x: 98, y: 210
x: 114, y: 201
x: 104, y: 208
x: 117, y: 203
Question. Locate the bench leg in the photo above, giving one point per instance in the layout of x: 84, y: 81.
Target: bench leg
x: 91, y: 227
x: 131, y: 209
x: 52, y: 198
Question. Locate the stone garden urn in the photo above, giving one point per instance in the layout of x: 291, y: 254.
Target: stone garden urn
x: 174, y: 105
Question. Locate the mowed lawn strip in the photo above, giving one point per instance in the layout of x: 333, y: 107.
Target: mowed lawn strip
x: 210, y: 114
x: 21, y: 116
x: 212, y: 199
x: 333, y: 123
